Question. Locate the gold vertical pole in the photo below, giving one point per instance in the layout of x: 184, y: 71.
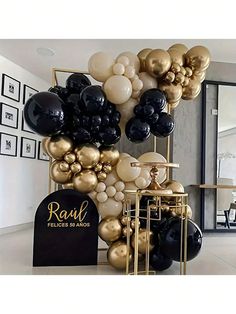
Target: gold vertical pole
x: 185, y: 236
x: 136, y: 234
x: 154, y: 144
x: 148, y: 239
x: 181, y: 237
x: 128, y: 235
x: 168, y: 149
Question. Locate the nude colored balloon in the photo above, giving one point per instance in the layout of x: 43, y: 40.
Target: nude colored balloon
x: 125, y: 171
x: 137, y: 85
x: 148, y: 81
x: 129, y: 71
x: 111, y: 191
x: 141, y: 183
x: 112, y: 178
x: 118, y: 69
x: 127, y: 112
x: 133, y: 187
x: 133, y: 59
x: 110, y: 208
x: 102, y: 197
x: 100, y: 66
x: 118, y: 89
x: 123, y: 156
x: 101, y: 187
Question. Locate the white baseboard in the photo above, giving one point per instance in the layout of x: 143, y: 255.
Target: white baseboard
x: 16, y: 228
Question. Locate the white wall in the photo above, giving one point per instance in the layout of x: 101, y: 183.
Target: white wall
x: 23, y: 182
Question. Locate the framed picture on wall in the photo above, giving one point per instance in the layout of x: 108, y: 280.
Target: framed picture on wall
x: 41, y: 154
x: 10, y: 87
x: 28, y: 92
x: 8, y: 144
x: 28, y: 148
x: 24, y: 125
x: 9, y: 116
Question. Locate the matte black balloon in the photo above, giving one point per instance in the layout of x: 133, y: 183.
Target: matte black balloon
x: 81, y: 136
x: 62, y: 92
x: 158, y: 261
x: 77, y: 82
x: 136, y: 130
x: 148, y: 110
x: 109, y: 136
x: 96, y: 120
x: 155, y: 98
x: 170, y: 238
x: 164, y: 126
x: 44, y: 113
x: 115, y: 119
x: 138, y: 110
x: 93, y: 99
x: 153, y: 119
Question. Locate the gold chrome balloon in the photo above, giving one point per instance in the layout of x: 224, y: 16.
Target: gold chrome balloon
x: 132, y: 224
x: 174, y: 105
x: 180, y: 47
x: 169, y: 77
x: 176, y: 56
x: 107, y: 168
x: 70, y: 158
x: 182, y: 70
x: 158, y: 62
x: 198, y: 58
x: 75, y: 167
x: 181, y: 210
x: 85, y: 181
x: 68, y: 186
x: 98, y: 167
x: 173, y: 92
x: 101, y: 175
x: 109, y: 155
x: 64, y: 166
x: 189, y: 72
x: 173, y: 185
x: 58, y: 146
x: 124, y: 220
x: 117, y: 254
x: 143, y: 241
x: 192, y: 90
x: 88, y: 156
x: 186, y: 81
x: 199, y: 76
x: 45, y: 142
x: 59, y: 176
x: 142, y: 58
x: 125, y: 231
x: 110, y: 229
x: 179, y: 78
x: 175, y: 68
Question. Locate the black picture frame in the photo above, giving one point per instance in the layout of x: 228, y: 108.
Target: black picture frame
x: 40, y: 153
x: 4, y: 135
x: 6, y: 93
x: 25, y: 91
x: 24, y: 154
x: 24, y: 126
x: 2, y: 119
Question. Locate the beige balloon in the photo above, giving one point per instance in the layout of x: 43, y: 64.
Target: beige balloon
x: 176, y: 56
x: 58, y: 146
x: 133, y: 59
x: 148, y: 81
x: 88, y: 155
x: 125, y: 171
x: 180, y: 47
x: 142, y: 55
x: 117, y: 255
x: 112, y: 178
x: 100, y: 66
x: 158, y: 62
x: 127, y: 112
x: 198, y: 58
x: 173, y: 92
x: 58, y: 175
x: 110, y: 208
x: 192, y: 90
x: 85, y: 181
x: 118, y: 89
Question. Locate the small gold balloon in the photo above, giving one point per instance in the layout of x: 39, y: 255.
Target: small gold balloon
x: 199, y: 76
x: 117, y: 254
x: 107, y: 168
x: 109, y: 155
x: 192, y: 90
x: 98, y: 167
x: 124, y: 220
x: 125, y: 231
x: 68, y: 186
x: 198, y: 58
x: 143, y: 241
x: 175, y: 68
x: 182, y: 71
x: 142, y: 58
x: 85, y: 181
x: 88, y: 156
x: 64, y: 166
x: 59, y: 176
x: 101, y: 175
x: 169, y: 77
x: 173, y: 92
x: 185, y: 82
x: 70, y: 158
x: 189, y: 71
x: 132, y: 224
x: 158, y: 62
x: 75, y: 167
x: 45, y: 142
x: 176, y: 56
x: 180, y: 47
x: 58, y: 146
x: 110, y: 229
x: 182, y: 209
x: 179, y: 78
x: 174, y: 105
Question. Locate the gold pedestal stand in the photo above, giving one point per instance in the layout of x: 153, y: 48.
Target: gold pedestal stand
x: 162, y: 200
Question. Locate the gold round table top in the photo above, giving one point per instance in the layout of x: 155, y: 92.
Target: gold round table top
x: 154, y: 164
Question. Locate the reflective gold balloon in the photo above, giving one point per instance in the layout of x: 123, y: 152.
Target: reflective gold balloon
x: 125, y: 231
x: 75, y: 167
x: 186, y: 81
x: 175, y: 68
x: 170, y: 77
x: 98, y: 167
x: 70, y: 158
x: 142, y: 58
x: 180, y: 47
x: 101, y: 175
x: 199, y: 76
x: 176, y: 56
x: 88, y: 156
x: 107, y: 168
x: 85, y: 181
x: 58, y: 146
x: 132, y: 224
x: 192, y: 90
x: 198, y: 58
x: 179, y: 78
x: 143, y: 241
x: 45, y: 142
x: 110, y: 229
x: 59, y: 176
x: 109, y: 155
x: 173, y: 185
x: 124, y: 220
x: 64, y: 166
x: 158, y: 62
x: 117, y: 254
x: 68, y: 186
x: 174, y: 105
x: 182, y: 70
x: 182, y: 209
x: 173, y: 92
x: 189, y: 72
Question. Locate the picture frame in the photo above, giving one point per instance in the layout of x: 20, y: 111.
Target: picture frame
x: 8, y: 144
x: 28, y: 148
x: 41, y: 154
x: 10, y: 87
x: 24, y: 126
x: 9, y: 115
x: 28, y: 92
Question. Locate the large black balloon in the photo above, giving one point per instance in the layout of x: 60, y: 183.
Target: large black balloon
x: 136, y: 130
x: 155, y: 98
x: 77, y: 82
x: 93, y: 99
x: 44, y: 113
x: 158, y: 260
x: 109, y: 135
x: 170, y: 238
x: 164, y: 126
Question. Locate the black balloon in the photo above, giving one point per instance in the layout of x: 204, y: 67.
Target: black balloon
x: 93, y: 99
x: 85, y: 121
x: 96, y: 120
x: 158, y: 261
x: 155, y: 98
x: 148, y: 110
x: 105, y: 120
x: 152, y: 120
x: 77, y: 82
x: 81, y: 136
x: 62, y: 92
x: 136, y: 130
x: 44, y: 113
x: 115, y: 118
x: 164, y: 126
x: 138, y: 110
x: 170, y: 238
x: 109, y: 135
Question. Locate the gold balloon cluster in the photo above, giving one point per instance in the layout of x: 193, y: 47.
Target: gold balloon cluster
x: 178, y: 71
x: 80, y: 167
x: 114, y: 230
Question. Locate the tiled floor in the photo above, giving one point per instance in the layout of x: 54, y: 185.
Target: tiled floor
x: 217, y: 257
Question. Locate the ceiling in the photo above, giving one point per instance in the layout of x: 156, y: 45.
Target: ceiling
x: 74, y: 53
